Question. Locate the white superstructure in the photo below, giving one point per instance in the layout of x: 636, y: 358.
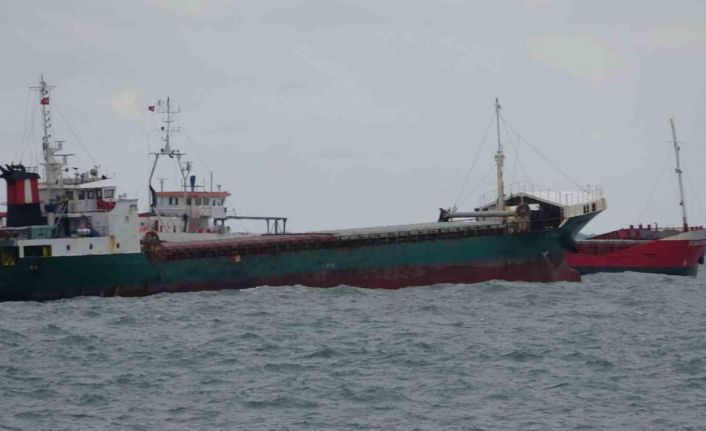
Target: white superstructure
x: 82, y: 214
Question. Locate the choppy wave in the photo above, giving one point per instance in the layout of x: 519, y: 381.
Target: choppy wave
x: 618, y: 351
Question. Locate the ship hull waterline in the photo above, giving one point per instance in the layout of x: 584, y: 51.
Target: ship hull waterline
x: 679, y: 271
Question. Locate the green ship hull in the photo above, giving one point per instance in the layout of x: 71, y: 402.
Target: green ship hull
x: 537, y: 256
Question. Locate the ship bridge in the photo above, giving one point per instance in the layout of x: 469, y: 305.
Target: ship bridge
x: 195, y: 203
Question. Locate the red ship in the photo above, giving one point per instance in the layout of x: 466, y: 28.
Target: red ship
x: 673, y: 251
x: 664, y: 251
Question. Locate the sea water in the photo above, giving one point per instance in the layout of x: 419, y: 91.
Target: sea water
x: 617, y: 351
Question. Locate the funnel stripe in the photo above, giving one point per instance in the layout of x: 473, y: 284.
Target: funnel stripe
x: 27, y: 192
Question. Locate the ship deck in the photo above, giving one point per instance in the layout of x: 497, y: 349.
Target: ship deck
x: 273, y: 243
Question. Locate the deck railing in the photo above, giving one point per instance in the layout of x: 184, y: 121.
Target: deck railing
x: 589, y: 194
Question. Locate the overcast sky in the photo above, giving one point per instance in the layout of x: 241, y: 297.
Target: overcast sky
x: 353, y: 113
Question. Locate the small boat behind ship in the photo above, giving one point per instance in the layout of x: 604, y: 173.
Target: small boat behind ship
x: 69, y: 237
x: 670, y: 250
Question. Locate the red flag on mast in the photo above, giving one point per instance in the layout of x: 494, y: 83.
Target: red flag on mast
x: 45, y: 100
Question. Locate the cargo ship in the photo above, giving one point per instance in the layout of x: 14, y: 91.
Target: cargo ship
x: 74, y: 236
x: 646, y: 248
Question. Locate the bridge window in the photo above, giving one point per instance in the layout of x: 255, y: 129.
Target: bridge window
x: 108, y: 193
x: 81, y: 195
x: 91, y: 194
x: 70, y: 195
x: 99, y: 194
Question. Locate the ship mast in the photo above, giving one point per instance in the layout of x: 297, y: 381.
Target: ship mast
x: 678, y: 170
x: 166, y: 150
x: 500, y: 161
x: 168, y: 128
x: 168, y: 118
x: 52, y: 167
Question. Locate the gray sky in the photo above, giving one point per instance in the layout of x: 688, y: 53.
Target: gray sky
x: 352, y: 113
